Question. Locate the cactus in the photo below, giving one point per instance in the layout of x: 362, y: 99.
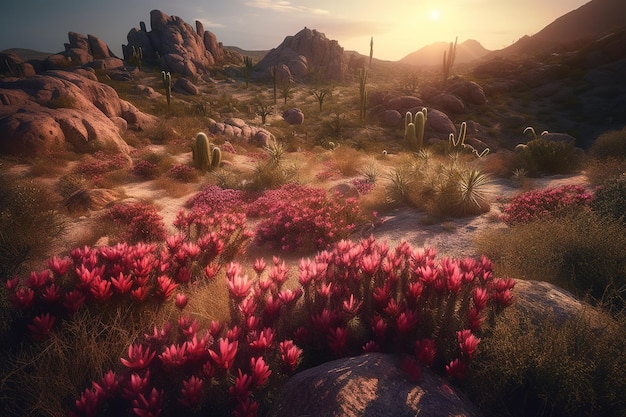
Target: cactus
x: 137, y: 56
x: 167, y: 84
x: 459, y: 142
x: 448, y: 61
x: 248, y: 66
x: 274, y: 75
x: 206, y: 156
x: 362, y: 93
x: 414, y: 129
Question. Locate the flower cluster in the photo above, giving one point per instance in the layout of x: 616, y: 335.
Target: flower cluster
x: 140, y: 222
x: 145, y: 170
x: 364, y: 185
x: 182, y: 173
x: 303, y: 217
x: 216, y: 199
x: 102, y: 163
x: 537, y: 204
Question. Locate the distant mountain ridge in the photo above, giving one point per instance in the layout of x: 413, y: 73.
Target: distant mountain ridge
x: 432, y: 54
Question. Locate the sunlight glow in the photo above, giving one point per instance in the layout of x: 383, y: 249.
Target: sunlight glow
x: 434, y: 14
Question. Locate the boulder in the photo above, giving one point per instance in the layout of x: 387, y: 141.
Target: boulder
x: 371, y: 385
x: 237, y: 129
x: 293, y: 116
x: 440, y: 122
x: 185, y: 86
x: 62, y: 108
x: 390, y: 118
x: 90, y: 200
x: 404, y: 103
x: 449, y: 103
x: 306, y: 52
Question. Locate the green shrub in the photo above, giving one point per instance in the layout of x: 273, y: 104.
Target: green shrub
x: 610, y: 199
x: 582, y: 252
x: 611, y: 144
x: 546, y: 157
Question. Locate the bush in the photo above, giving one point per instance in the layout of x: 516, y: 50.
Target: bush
x: 582, y: 252
x: 537, y: 204
x: 546, y: 157
x: 550, y: 368
x: 610, y: 144
x: 182, y: 173
x: 300, y: 217
x: 30, y: 224
x: 610, y: 199
x: 138, y: 222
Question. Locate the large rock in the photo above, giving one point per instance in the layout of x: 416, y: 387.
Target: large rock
x: 371, y: 385
x: 177, y: 47
x: 60, y: 108
x: 83, y: 50
x: 237, y: 130
x: 440, y: 122
x: 306, y: 52
x: 293, y: 116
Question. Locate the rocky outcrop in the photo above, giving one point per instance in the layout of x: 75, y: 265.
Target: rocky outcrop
x: 176, y: 46
x: 371, y: 385
x: 66, y: 109
x: 84, y: 50
x: 237, y: 130
x: 293, y: 116
x: 304, y: 53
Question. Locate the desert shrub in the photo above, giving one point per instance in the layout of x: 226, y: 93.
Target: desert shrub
x: 216, y: 199
x: 30, y: 223
x: 550, y: 368
x: 136, y: 222
x: 582, y: 252
x: 597, y: 171
x: 546, y: 157
x: 461, y: 193
x: 611, y: 144
x: 182, y: 173
x: 537, y: 204
x: 100, y: 165
x: 347, y: 160
x: 300, y: 217
x: 70, y: 183
x: 145, y: 170
x: 610, y: 199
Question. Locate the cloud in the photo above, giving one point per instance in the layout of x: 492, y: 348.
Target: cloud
x: 283, y: 6
x: 209, y: 24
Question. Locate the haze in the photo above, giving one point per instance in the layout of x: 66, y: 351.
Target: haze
x: 398, y: 27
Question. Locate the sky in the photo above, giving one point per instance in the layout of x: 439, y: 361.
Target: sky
x: 398, y: 27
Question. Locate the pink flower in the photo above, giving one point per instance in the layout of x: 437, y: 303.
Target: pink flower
x: 136, y: 385
x: 456, y: 369
x: 150, y: 406
x: 480, y: 298
x: 101, y: 289
x: 188, y: 326
x: 425, y: 351
x: 23, y: 298
x: 51, y: 294
x: 73, y: 300
x: 140, y: 294
x: 239, y: 286
x: 406, y: 321
x: 59, y: 266
x: 260, y: 371
x: 165, y: 287
x: 215, y: 328
x: 246, y: 408
x: 191, y: 392
x: 262, y: 341
x: 181, y: 300
x: 174, y: 355
x: 288, y: 297
x: 338, y: 340
x: 290, y: 354
x: 379, y: 327
x: 259, y: 266
x: 88, y: 402
x: 108, y: 386
x: 37, y: 280
x: 159, y: 335
x: 210, y: 271
x: 123, y: 283
x: 351, y: 306
x: 41, y: 326
x: 241, y: 389
x: 371, y: 347
x: 468, y: 343
x: 139, y: 357
x: 225, y: 357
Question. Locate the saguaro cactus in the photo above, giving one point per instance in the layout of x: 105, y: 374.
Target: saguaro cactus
x: 362, y: 93
x: 414, y: 129
x: 206, y: 156
x: 137, y: 56
x: 448, y: 61
x: 167, y: 84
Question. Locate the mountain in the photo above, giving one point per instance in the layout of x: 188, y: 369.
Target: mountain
x: 590, y: 21
x: 431, y: 55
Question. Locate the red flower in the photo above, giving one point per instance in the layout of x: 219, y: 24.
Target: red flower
x: 456, y: 369
x: 425, y: 351
x: 140, y: 293
x: 289, y: 297
x: 37, y: 280
x: 100, y: 289
x: 88, y: 402
x: 123, y: 283
x: 165, y: 287
x: 23, y: 298
x: 41, y: 325
x: 108, y: 386
x: 290, y: 354
x: 406, y: 321
x: 215, y: 328
x: 241, y: 389
x: 263, y: 340
x: 239, y: 286
x: 51, y: 294
x: 468, y: 343
x: 174, y: 355
x: 59, y: 266
x: 181, y: 300
x: 137, y: 385
x: 260, y: 371
x: 370, y: 347
x: 139, y: 357
x: 338, y: 340
x: 379, y: 327
x: 73, y: 300
x: 480, y: 298
x: 188, y: 326
x: 210, y: 271
x: 191, y: 392
x: 226, y: 356
x: 246, y: 408
x: 351, y: 306
x: 259, y: 266
x: 150, y: 406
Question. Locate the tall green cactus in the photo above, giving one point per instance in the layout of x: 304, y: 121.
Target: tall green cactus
x: 137, y: 56
x: 206, y: 156
x: 414, y: 129
x: 362, y: 93
x: 459, y: 142
x: 448, y: 61
x: 167, y: 84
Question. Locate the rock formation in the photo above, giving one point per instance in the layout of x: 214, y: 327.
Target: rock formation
x: 306, y: 52
x: 64, y: 109
x: 177, y: 47
x: 84, y: 50
x: 237, y: 130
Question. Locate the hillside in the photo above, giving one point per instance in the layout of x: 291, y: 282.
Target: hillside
x: 431, y: 55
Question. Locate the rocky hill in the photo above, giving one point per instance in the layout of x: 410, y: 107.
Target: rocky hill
x: 431, y: 55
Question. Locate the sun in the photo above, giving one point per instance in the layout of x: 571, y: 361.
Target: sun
x: 434, y: 14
